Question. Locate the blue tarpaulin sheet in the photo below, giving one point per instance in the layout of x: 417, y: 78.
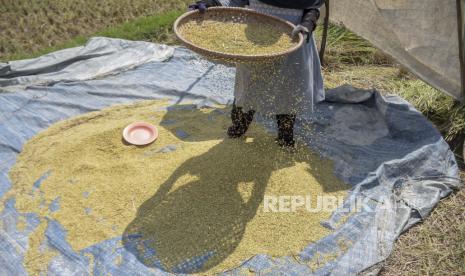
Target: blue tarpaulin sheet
x: 385, y: 149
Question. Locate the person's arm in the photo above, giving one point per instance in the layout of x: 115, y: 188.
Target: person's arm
x: 202, y: 5
x: 308, y: 23
x: 205, y: 4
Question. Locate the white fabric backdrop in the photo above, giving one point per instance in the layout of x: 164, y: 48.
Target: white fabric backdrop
x: 419, y: 34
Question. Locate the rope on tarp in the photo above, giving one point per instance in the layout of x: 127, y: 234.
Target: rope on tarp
x: 325, y: 33
x: 461, y: 46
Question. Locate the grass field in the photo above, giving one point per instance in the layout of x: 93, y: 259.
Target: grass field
x: 30, y: 26
x: 436, y: 247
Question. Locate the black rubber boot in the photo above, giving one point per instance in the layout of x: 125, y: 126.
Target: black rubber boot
x: 285, y: 130
x: 240, y: 122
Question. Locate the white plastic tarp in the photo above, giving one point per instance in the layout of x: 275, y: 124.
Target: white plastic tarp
x: 422, y: 35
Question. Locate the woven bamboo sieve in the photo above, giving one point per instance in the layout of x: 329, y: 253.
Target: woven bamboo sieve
x: 236, y: 15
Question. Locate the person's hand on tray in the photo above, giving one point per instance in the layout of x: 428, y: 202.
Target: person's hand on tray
x: 203, y: 5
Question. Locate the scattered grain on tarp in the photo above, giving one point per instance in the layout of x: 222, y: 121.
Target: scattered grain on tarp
x: 199, y: 206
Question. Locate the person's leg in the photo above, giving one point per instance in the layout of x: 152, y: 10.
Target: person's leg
x: 285, y: 130
x: 240, y: 121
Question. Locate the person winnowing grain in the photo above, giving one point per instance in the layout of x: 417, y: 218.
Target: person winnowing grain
x: 284, y: 89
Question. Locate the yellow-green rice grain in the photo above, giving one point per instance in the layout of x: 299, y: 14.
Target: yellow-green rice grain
x: 237, y: 38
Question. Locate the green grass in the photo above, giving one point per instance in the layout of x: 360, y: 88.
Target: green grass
x: 345, y: 47
x: 27, y: 27
x: 152, y: 28
x: 156, y: 28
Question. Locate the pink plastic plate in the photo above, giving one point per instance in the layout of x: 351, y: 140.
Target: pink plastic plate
x: 140, y: 133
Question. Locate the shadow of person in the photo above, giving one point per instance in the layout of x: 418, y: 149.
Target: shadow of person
x: 191, y: 124
x: 198, y: 216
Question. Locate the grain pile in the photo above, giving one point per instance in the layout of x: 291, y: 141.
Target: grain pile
x: 237, y: 38
x: 191, y: 193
